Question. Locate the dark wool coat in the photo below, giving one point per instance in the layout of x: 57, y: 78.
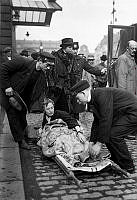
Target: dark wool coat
x: 58, y: 114
x: 77, y: 70
x: 20, y: 73
x: 69, y: 69
x: 112, y: 107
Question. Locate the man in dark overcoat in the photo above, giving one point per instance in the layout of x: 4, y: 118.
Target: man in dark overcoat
x: 80, y: 64
x: 69, y: 69
x: 26, y: 77
x: 6, y: 55
x: 115, y: 116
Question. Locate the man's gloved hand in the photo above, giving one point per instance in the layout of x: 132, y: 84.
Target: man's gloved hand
x: 9, y: 91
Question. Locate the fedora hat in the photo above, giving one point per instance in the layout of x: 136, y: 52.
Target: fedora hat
x: 67, y: 42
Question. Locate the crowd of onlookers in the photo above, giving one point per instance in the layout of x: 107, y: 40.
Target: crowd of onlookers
x: 40, y: 74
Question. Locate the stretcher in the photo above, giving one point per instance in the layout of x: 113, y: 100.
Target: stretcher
x: 91, y: 167
x: 71, y: 153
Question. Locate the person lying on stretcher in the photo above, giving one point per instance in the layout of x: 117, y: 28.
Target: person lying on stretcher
x: 62, y: 135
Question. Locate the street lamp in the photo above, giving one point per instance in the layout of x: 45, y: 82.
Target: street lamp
x: 41, y: 47
x: 27, y: 34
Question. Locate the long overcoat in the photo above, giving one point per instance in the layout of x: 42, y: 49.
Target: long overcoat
x: 79, y: 65
x: 19, y: 73
x: 112, y: 107
x: 127, y: 73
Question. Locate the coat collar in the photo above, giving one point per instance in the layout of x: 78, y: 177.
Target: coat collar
x: 129, y: 56
x: 92, y: 107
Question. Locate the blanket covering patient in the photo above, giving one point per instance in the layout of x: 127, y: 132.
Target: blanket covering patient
x: 63, y: 135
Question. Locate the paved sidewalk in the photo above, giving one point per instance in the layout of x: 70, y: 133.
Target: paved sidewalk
x: 11, y: 181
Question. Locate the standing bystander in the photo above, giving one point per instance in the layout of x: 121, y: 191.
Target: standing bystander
x: 22, y: 81
x: 127, y: 71
x: 6, y: 55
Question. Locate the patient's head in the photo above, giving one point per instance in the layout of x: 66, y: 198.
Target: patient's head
x: 48, y: 107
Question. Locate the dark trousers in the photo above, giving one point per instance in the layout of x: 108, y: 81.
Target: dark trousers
x: 117, y: 145
x: 17, y: 122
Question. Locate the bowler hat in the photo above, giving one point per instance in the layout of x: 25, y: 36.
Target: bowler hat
x: 103, y: 58
x: 67, y: 42
x: 17, y: 102
x: 75, y: 45
x: 79, y: 87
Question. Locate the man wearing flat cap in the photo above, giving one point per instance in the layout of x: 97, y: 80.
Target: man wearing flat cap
x: 80, y: 64
x: 7, y: 54
x: 115, y: 116
x: 22, y: 80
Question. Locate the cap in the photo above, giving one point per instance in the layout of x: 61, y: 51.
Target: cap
x: 103, y: 58
x: 24, y: 52
x: 75, y: 45
x: 44, y: 55
x: 7, y: 49
x: 79, y: 87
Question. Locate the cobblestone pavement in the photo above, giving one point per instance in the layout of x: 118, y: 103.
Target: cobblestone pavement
x: 54, y: 185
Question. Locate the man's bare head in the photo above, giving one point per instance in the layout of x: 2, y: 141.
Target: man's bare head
x: 132, y: 47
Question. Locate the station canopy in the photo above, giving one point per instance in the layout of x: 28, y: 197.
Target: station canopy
x: 33, y: 13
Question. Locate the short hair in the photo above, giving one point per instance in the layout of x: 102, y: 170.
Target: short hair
x: 46, y: 101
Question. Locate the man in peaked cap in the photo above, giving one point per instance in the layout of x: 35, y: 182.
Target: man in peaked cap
x: 80, y: 64
x: 75, y: 47
x: 24, y: 53
x: 26, y: 78
x: 115, y: 116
